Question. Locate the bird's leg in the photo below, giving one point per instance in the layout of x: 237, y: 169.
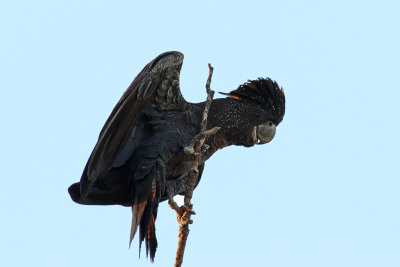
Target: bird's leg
x: 181, y: 211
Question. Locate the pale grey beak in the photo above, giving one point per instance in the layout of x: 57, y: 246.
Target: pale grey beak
x: 266, y: 132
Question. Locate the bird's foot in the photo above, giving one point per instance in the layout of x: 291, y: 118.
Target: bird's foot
x: 183, y: 212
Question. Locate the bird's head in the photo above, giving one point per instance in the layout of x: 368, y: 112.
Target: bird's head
x: 252, y: 112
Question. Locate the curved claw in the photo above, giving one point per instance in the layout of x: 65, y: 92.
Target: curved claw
x: 187, y: 209
x: 183, y: 220
x: 182, y: 213
x: 204, y: 148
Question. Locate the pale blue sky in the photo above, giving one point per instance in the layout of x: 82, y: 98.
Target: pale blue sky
x: 324, y: 193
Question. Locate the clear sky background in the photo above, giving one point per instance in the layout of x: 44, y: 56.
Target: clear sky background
x: 324, y: 193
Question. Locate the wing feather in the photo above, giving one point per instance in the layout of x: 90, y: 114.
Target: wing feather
x: 119, y: 129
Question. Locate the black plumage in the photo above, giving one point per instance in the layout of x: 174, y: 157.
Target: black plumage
x: 139, y: 161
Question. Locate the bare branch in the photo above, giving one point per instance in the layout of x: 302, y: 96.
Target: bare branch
x: 196, y: 147
x: 210, y: 95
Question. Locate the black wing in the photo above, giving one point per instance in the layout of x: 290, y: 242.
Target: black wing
x: 157, y: 84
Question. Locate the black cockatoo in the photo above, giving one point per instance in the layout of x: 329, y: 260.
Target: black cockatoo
x: 139, y: 158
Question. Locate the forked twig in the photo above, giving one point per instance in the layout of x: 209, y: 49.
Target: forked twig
x: 195, y: 148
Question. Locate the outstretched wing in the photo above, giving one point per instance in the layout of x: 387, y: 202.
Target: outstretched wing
x: 157, y: 84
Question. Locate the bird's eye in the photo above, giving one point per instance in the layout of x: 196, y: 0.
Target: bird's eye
x: 270, y: 123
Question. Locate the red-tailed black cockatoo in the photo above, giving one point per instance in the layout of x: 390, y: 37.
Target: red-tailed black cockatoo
x: 139, y: 158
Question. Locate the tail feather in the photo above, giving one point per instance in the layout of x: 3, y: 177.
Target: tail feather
x: 147, y: 225
x: 151, y: 240
x: 137, y: 212
x: 144, y: 215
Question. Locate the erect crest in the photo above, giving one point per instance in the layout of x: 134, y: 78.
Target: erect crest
x: 263, y: 91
